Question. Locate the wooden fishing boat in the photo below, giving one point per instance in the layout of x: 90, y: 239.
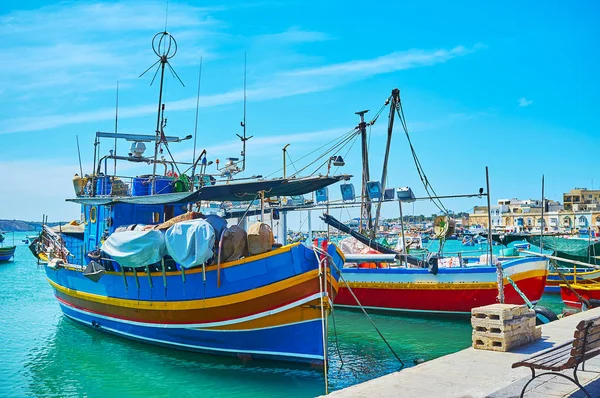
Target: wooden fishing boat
x: 451, y: 290
x: 571, y: 294
x: 572, y: 275
x: 6, y: 253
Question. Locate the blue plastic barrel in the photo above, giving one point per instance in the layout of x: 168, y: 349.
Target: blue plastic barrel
x: 163, y: 185
x: 103, y: 185
x: 141, y: 187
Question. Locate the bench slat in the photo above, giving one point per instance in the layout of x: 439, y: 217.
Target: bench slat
x: 547, y: 356
x: 591, y: 344
x: 584, y: 345
x: 594, y: 330
x: 583, y: 324
x: 551, y: 349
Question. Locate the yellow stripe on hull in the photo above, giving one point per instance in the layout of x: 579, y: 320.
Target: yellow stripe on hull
x: 195, y: 304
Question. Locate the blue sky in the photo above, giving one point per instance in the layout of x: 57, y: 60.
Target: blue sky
x: 510, y: 85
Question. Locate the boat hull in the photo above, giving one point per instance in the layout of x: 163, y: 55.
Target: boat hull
x: 589, y: 292
x: 452, y: 290
x: 7, y: 253
x: 573, y: 276
x: 266, y: 306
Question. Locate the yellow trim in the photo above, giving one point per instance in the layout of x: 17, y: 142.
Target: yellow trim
x: 191, y: 304
x: 195, y: 270
x: 95, y: 210
x: 442, y: 285
x: 588, y: 287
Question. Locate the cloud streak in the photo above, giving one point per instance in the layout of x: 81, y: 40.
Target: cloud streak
x: 523, y: 102
x: 283, y: 84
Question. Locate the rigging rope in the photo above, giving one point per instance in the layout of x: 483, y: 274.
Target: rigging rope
x: 437, y: 202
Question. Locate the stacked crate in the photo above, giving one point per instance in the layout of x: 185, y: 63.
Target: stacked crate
x: 502, y: 327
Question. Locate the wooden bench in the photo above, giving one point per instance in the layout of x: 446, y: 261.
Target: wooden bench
x: 584, y: 345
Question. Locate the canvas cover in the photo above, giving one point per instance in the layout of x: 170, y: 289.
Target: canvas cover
x: 191, y: 242
x: 135, y: 248
x: 350, y: 245
x: 260, y: 238
x: 235, y: 244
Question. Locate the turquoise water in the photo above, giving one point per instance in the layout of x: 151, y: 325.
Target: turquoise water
x: 43, y: 354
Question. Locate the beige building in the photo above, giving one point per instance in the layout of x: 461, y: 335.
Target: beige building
x: 581, y: 199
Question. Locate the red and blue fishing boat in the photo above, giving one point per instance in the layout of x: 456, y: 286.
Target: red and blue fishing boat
x: 451, y: 290
x: 149, y: 266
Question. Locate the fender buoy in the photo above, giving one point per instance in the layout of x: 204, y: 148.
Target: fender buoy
x: 544, y: 315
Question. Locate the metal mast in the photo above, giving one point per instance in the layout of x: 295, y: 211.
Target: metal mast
x: 165, y: 47
x: 365, y: 207
x: 395, y: 98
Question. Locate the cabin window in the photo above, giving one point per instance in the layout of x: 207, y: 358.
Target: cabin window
x: 169, y: 212
x: 93, y: 214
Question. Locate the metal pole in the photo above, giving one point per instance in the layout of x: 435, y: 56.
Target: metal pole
x: 542, y: 224
x: 500, y: 272
x: 284, y: 150
x: 79, y: 155
x: 310, y: 233
x: 285, y: 226
x: 116, y: 128
x: 393, y: 103
x: 158, y: 127
x: 262, y: 206
x: 402, y: 230
x: 365, y: 208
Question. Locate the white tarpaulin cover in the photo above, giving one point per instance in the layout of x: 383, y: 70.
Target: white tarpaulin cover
x: 190, y: 243
x: 135, y: 248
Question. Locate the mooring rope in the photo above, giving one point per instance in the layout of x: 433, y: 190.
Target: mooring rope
x: 316, y: 249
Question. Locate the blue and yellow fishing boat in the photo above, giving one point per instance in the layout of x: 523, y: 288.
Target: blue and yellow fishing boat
x: 147, y: 265
x: 6, y: 253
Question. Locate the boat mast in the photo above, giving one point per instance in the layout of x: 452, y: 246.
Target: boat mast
x: 394, y: 99
x: 165, y: 47
x: 365, y: 207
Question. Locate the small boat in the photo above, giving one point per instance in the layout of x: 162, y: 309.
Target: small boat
x: 452, y: 289
x: 571, y: 294
x: 6, y: 253
x: 572, y: 275
x: 468, y: 241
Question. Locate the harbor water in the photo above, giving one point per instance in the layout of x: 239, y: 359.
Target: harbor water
x: 43, y: 354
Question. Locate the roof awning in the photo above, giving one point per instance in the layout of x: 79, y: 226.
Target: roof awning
x: 236, y: 191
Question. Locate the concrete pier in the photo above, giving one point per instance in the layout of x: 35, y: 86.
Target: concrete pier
x: 472, y: 373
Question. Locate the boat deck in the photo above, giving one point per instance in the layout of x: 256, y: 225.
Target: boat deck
x: 475, y: 373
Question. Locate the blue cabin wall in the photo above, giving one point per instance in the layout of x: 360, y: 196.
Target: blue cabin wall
x: 119, y: 215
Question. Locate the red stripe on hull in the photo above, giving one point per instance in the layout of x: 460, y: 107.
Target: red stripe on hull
x: 439, y: 300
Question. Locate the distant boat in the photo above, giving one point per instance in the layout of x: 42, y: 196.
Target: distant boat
x: 585, y: 277
x: 451, y: 289
x: 571, y: 294
x: 6, y: 253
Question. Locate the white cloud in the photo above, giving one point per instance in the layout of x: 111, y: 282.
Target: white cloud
x: 283, y: 84
x: 387, y: 63
x: 523, y: 102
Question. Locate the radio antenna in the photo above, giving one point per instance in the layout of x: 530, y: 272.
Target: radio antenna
x: 116, y: 127
x: 165, y: 48
x: 243, y: 123
x: 196, y: 127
